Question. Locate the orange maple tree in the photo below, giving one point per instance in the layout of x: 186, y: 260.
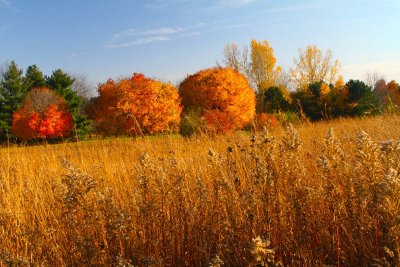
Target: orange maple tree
x: 224, y: 96
x: 43, y: 115
x: 138, y: 105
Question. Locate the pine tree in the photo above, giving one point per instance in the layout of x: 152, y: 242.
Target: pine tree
x: 62, y: 83
x: 363, y: 99
x: 12, y: 92
x: 34, y: 78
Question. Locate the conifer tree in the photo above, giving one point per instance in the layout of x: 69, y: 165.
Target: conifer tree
x: 61, y: 82
x: 34, y: 78
x: 12, y: 92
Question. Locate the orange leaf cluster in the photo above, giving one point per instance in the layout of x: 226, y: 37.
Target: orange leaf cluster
x: 43, y: 116
x: 266, y: 120
x: 218, y: 121
x: 224, y: 96
x: 137, y: 105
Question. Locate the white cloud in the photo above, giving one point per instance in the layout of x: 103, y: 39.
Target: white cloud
x: 215, y: 5
x: 155, y: 31
x: 140, y: 41
x: 164, y: 31
x: 132, y: 37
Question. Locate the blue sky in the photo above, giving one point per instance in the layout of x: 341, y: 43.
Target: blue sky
x: 169, y: 39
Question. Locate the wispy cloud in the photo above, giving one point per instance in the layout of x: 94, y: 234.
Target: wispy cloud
x: 133, y: 37
x: 155, y: 31
x: 215, y: 5
x: 140, y: 41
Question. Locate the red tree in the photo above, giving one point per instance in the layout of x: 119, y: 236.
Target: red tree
x: 43, y: 115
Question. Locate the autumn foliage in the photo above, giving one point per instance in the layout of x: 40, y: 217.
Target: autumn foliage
x: 266, y: 120
x: 138, y: 105
x: 224, y: 96
x: 388, y: 94
x: 43, y: 116
x: 264, y: 72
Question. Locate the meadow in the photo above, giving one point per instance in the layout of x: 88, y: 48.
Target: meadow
x: 321, y: 194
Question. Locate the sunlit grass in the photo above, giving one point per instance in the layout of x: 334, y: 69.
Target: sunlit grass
x: 311, y: 199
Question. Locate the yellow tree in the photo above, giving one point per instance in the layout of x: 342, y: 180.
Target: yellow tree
x: 313, y: 66
x: 339, y: 82
x: 264, y: 73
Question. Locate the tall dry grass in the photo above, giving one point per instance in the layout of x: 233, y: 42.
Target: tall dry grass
x: 323, y: 194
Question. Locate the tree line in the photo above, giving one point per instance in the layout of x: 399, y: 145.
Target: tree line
x: 247, y: 89
x: 33, y: 103
x: 313, y: 88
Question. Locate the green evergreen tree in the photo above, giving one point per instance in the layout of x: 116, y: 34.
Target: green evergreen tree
x: 12, y: 92
x: 62, y: 83
x: 34, y: 77
x: 365, y: 102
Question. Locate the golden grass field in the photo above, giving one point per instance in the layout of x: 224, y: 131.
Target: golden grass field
x: 302, y: 196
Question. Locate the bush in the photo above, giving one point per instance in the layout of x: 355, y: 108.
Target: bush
x: 223, y: 96
x: 136, y: 106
